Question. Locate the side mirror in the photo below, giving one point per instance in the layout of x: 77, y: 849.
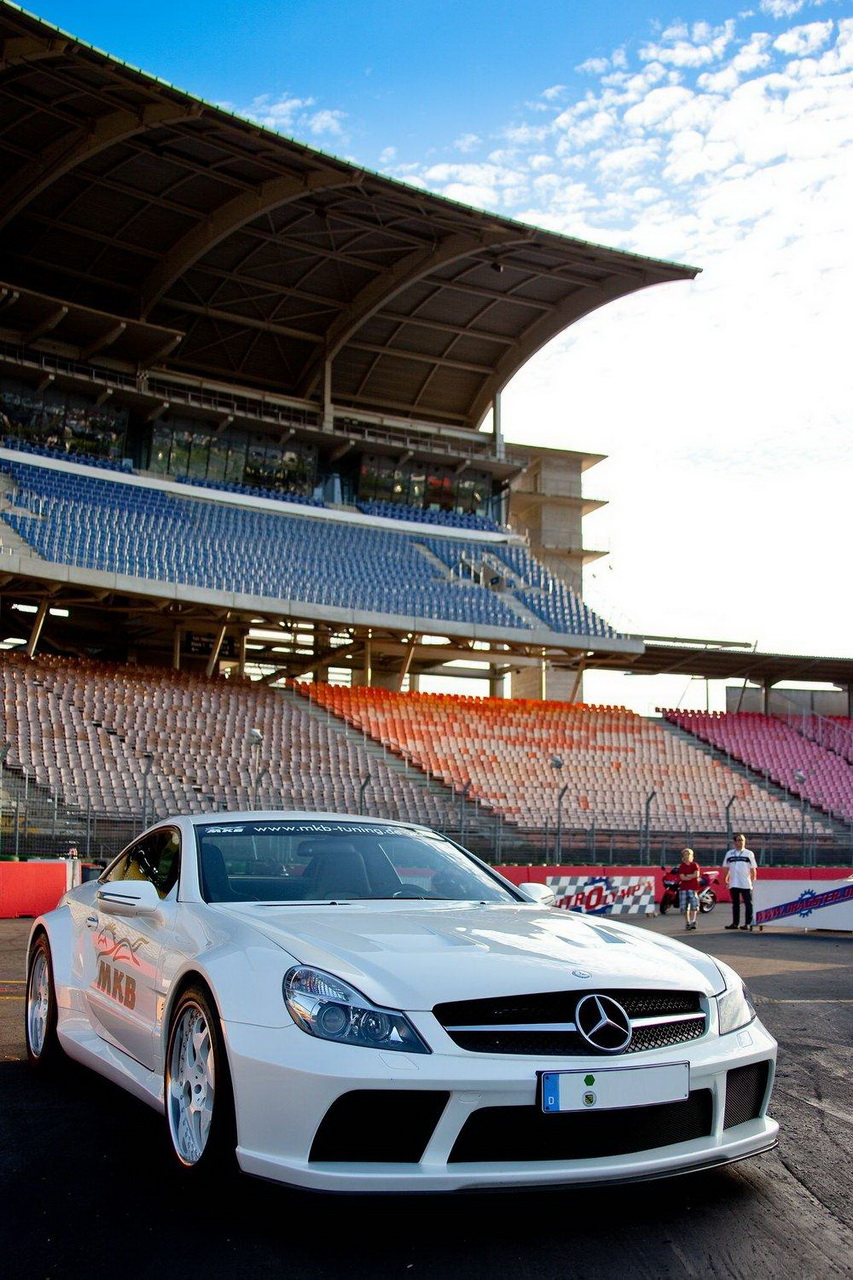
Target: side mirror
x: 538, y: 893
x: 129, y: 898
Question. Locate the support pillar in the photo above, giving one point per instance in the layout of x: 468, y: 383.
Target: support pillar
x: 766, y: 686
x: 500, y: 450
x: 216, y: 649
x: 35, y: 634
x: 328, y: 413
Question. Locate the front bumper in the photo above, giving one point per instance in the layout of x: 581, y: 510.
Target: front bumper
x: 476, y: 1120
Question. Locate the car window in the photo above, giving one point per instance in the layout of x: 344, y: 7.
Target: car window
x: 293, y: 861
x: 155, y: 857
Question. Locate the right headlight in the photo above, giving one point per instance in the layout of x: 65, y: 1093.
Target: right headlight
x: 329, y: 1008
x: 734, y: 1009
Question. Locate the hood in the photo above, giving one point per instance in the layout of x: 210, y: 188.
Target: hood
x: 414, y: 957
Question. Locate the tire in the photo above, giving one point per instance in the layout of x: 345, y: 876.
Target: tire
x: 664, y: 906
x: 707, y: 900
x: 198, y: 1093
x: 43, y: 1047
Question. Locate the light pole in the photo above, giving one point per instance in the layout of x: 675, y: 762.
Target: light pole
x: 649, y: 798
x: 256, y: 739
x: 4, y: 751
x: 729, y: 820
x: 557, y: 764
x: 147, y: 762
x: 800, y: 779
x: 462, y: 797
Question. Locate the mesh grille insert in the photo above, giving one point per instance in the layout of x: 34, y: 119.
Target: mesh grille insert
x: 745, y: 1090
x: 527, y: 1133
x: 379, y: 1125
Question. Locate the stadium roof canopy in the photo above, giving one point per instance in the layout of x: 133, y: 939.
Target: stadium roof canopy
x: 719, y: 660
x: 142, y: 226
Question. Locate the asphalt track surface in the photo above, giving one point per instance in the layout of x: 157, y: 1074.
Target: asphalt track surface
x: 86, y: 1187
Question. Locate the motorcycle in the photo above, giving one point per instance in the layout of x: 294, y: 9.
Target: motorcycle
x: 707, y: 892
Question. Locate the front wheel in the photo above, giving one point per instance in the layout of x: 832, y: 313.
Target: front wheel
x: 43, y: 1048
x: 198, y: 1094
x: 707, y: 900
x: 665, y: 905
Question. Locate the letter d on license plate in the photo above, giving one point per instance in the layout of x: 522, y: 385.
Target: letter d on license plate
x: 602, y: 1090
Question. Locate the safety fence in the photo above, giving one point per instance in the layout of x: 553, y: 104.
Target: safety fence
x: 36, y: 829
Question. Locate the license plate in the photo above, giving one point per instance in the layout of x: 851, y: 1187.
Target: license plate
x: 609, y: 1087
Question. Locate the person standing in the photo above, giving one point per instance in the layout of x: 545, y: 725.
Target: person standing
x: 741, y: 871
x: 689, y: 873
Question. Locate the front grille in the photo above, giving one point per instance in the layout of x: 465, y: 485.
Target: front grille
x: 745, y: 1090
x: 525, y: 1025
x: 379, y: 1125
x: 527, y: 1133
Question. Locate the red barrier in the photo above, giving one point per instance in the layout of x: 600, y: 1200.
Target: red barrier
x: 29, y: 888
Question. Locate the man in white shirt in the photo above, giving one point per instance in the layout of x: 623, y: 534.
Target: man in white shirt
x: 741, y: 870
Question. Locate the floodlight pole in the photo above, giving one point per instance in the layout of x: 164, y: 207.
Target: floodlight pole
x: 649, y: 798
x: 800, y: 779
x: 462, y: 798
x: 558, y: 836
x: 256, y: 739
x: 557, y: 764
x: 147, y: 762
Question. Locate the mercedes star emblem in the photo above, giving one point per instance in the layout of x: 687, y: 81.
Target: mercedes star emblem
x: 603, y: 1023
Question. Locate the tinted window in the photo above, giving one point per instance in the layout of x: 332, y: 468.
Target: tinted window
x: 155, y: 857
x: 316, y: 861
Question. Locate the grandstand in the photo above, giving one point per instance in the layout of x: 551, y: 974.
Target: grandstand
x: 253, y: 476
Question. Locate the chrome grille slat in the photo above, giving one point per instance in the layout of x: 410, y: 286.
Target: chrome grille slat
x: 525, y: 1025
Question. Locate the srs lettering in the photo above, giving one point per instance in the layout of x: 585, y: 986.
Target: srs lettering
x: 121, y: 986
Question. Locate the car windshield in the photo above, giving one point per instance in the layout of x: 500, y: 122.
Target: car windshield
x: 315, y: 861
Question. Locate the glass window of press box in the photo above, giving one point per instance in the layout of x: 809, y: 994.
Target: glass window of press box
x: 384, y: 480
x: 60, y: 420
x: 184, y: 448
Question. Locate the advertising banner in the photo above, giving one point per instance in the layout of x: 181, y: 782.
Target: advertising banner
x: 804, y: 904
x: 605, y: 895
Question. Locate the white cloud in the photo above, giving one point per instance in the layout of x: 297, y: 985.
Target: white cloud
x: 657, y: 107
x: 327, y: 122
x: 801, y: 41
x: 278, y: 114
x: 291, y: 115
x: 467, y: 142
x: 594, y: 66
x: 703, y: 47
x: 629, y: 159
x: 782, y: 8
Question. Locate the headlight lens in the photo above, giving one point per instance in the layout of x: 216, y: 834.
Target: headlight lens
x: 331, y: 1009
x: 735, y: 1009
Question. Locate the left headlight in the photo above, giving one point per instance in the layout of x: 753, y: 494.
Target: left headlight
x: 735, y: 1009
x: 325, y: 1006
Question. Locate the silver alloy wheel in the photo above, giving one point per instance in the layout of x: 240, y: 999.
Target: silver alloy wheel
x: 38, y: 1002
x: 191, y: 1085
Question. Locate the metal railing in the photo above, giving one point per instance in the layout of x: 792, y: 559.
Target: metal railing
x: 822, y: 730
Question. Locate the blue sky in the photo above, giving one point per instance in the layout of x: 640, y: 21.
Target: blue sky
x: 698, y: 132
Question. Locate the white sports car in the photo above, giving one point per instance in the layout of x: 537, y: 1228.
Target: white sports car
x: 343, y: 1004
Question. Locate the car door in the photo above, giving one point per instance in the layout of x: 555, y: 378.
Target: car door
x: 122, y: 957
